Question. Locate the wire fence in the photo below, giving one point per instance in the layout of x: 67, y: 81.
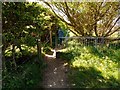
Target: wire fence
x: 93, y: 41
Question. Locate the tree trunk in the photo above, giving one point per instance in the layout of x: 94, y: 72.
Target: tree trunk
x: 95, y: 28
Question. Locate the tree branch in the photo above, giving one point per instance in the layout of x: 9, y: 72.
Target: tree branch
x: 112, y: 26
x: 57, y: 15
x: 113, y: 32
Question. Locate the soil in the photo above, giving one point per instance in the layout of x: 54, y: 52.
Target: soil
x: 55, y: 74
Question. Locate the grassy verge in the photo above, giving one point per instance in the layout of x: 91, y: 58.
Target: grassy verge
x: 92, y: 67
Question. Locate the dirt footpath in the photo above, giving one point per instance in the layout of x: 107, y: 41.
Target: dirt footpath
x: 55, y: 75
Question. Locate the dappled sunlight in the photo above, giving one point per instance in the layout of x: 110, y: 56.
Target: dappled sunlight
x: 61, y: 50
x: 92, y: 66
x: 90, y: 77
x: 53, y: 55
x: 56, y: 73
x: 65, y: 64
x: 50, y: 56
x: 103, y: 65
x: 54, y: 84
x: 60, y: 45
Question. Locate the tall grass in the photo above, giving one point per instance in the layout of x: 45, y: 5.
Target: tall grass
x: 28, y: 73
x: 95, y: 67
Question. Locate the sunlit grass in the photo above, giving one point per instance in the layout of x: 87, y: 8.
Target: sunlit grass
x: 99, y: 66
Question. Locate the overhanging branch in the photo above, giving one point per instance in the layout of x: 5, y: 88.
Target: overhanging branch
x: 112, y: 26
x: 57, y: 15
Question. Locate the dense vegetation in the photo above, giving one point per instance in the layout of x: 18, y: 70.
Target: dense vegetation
x: 91, y: 66
x: 29, y: 27
x: 24, y: 23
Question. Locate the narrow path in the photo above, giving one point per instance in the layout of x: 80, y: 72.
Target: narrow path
x: 55, y: 75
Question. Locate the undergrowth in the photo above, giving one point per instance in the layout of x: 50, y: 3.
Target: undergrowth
x: 27, y: 75
x: 92, y: 67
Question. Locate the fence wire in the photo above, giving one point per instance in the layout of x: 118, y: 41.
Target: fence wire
x: 93, y: 41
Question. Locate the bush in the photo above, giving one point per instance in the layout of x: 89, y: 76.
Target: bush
x: 47, y: 50
x: 28, y: 75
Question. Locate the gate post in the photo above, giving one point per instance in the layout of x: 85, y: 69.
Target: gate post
x: 96, y: 40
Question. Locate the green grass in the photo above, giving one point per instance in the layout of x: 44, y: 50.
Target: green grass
x: 92, y: 67
x: 27, y: 75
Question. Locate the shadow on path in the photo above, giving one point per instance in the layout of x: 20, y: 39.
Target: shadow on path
x: 55, y: 74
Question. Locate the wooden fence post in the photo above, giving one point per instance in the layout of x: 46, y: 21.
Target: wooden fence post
x: 50, y: 38
x: 96, y: 41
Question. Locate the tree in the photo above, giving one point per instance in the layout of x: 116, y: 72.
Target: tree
x: 20, y: 21
x: 88, y: 18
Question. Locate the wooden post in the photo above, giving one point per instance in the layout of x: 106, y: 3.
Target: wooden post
x: 96, y: 41
x: 50, y: 38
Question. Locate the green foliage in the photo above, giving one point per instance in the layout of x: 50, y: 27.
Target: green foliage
x: 22, y: 24
x: 88, y: 18
x: 30, y: 41
x: 92, y: 67
x: 21, y: 21
x: 28, y: 75
x: 47, y: 50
